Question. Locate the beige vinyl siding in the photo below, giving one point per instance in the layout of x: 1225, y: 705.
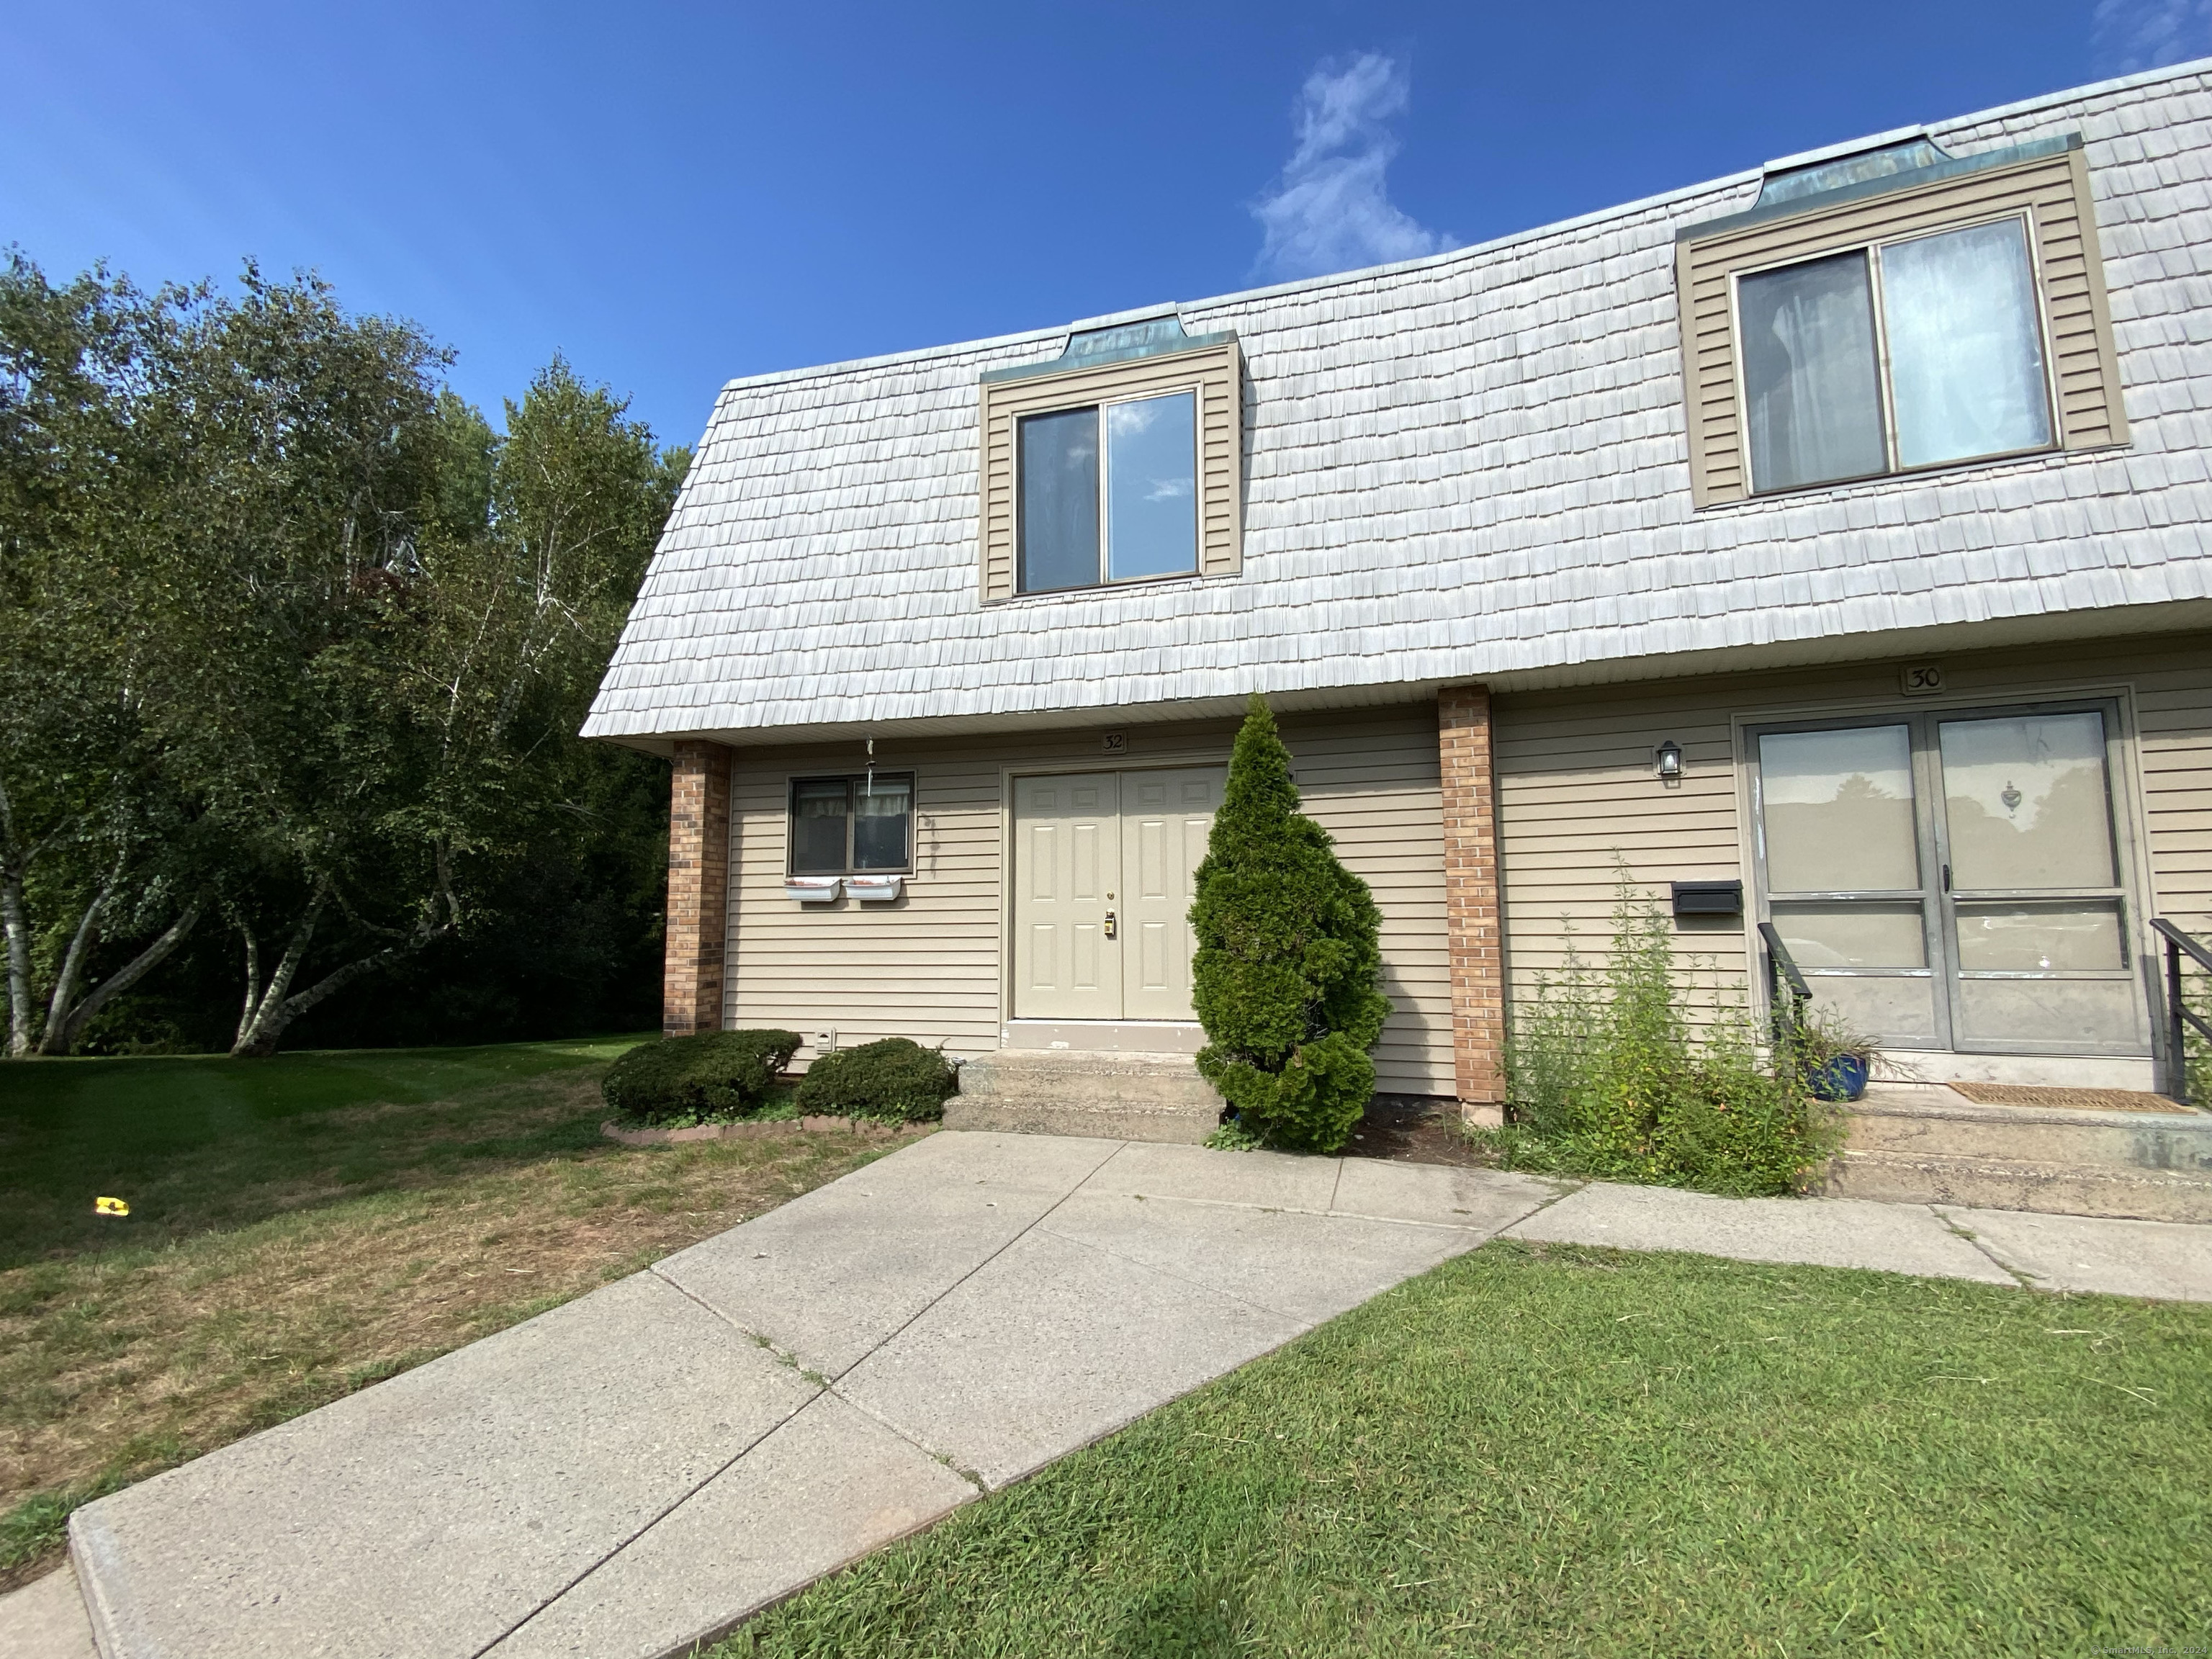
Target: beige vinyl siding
x: 2173, y: 714
x: 1213, y: 371
x: 930, y: 968
x: 1375, y: 784
x: 1575, y: 785
x: 1576, y: 799
x: 2053, y: 192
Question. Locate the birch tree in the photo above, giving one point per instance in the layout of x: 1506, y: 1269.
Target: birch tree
x: 91, y: 826
x: 290, y: 638
x: 456, y: 701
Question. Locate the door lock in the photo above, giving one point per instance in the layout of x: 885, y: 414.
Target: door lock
x: 1110, y: 924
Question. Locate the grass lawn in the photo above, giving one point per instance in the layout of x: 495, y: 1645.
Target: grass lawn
x: 1543, y: 1449
x: 302, y: 1226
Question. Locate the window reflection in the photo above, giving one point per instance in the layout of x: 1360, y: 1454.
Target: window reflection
x: 1940, y: 360
x: 1131, y: 467
x: 845, y: 826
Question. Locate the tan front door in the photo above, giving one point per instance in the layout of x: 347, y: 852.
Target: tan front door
x: 1166, y: 816
x: 1102, y: 863
x: 1067, y: 859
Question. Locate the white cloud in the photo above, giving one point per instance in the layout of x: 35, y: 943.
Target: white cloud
x: 2131, y: 35
x: 1330, y: 210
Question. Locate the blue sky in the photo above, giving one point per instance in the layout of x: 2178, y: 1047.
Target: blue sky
x: 672, y: 195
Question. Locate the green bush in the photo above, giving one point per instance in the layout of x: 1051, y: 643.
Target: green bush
x: 894, y: 1080
x: 2196, y: 994
x: 714, y: 1074
x: 1287, y: 977
x: 1609, y: 1076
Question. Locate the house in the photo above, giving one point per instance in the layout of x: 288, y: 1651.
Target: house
x: 1830, y: 539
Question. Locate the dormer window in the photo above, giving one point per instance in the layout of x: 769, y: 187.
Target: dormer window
x: 1109, y: 494
x: 1117, y: 461
x: 1918, y: 352
x: 1893, y: 311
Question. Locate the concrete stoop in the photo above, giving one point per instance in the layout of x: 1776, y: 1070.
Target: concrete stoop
x: 1070, y: 1091
x: 1924, y: 1144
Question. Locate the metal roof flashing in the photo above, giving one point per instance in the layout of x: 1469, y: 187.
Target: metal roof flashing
x: 1900, y: 167
x: 1094, y: 348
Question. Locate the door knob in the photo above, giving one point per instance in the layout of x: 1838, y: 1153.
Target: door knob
x: 1110, y: 924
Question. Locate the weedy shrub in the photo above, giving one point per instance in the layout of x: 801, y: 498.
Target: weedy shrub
x: 2195, y: 994
x: 1235, y: 1135
x: 895, y: 1080
x: 1609, y: 1075
x: 1287, y: 974
x: 715, y: 1074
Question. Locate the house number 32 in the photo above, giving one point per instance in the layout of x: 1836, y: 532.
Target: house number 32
x: 1115, y: 742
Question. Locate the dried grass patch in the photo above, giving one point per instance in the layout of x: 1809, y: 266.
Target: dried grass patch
x: 118, y: 1364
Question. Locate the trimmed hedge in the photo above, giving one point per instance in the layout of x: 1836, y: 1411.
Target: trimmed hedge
x: 894, y: 1080
x: 714, y: 1074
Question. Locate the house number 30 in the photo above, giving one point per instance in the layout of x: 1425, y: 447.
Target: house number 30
x: 1922, y: 680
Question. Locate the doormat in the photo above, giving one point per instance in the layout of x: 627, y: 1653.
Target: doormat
x: 2085, y: 1100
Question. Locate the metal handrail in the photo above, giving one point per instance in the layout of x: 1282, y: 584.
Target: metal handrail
x: 1781, y: 966
x: 2177, y: 1011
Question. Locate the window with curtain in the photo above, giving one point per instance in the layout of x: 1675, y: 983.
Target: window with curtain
x: 1107, y: 494
x: 858, y: 825
x: 1913, y: 353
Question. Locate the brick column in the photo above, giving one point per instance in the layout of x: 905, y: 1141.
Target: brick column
x: 1471, y: 922
x: 698, y: 888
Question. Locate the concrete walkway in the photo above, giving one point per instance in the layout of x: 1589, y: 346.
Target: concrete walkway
x: 641, y: 1468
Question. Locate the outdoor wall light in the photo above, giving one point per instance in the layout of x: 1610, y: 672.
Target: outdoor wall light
x: 1667, y: 764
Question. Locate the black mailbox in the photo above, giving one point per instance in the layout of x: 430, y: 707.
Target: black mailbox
x: 1708, y: 899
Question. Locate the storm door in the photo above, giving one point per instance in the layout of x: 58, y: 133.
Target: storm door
x: 1955, y: 881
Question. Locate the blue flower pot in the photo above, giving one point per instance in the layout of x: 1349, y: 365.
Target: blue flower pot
x: 1843, y: 1078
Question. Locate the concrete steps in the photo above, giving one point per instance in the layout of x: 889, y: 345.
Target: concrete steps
x: 1924, y: 1144
x: 1072, y: 1091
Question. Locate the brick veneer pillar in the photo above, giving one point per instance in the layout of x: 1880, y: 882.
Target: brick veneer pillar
x: 698, y: 888
x: 1472, y: 924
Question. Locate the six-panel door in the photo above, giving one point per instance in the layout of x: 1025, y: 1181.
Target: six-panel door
x: 1166, y: 816
x: 1101, y: 883
x: 1067, y: 865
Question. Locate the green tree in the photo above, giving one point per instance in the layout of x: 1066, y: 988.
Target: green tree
x: 95, y: 836
x: 454, y: 703
x: 1287, y: 976
x: 302, y: 455
x: 497, y: 635
x: 290, y: 635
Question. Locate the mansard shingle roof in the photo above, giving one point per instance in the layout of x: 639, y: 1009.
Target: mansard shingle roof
x: 1471, y: 466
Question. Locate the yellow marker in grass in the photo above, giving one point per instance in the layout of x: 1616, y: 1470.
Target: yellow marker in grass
x: 110, y: 1206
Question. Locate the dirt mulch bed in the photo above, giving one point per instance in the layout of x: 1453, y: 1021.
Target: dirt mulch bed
x: 1415, y: 1129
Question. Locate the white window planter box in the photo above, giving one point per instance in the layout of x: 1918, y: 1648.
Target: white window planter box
x: 813, y: 890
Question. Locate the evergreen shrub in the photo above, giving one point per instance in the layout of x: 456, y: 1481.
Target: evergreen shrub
x: 894, y: 1080
x: 1610, y: 1074
x: 715, y: 1074
x: 1286, y: 979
